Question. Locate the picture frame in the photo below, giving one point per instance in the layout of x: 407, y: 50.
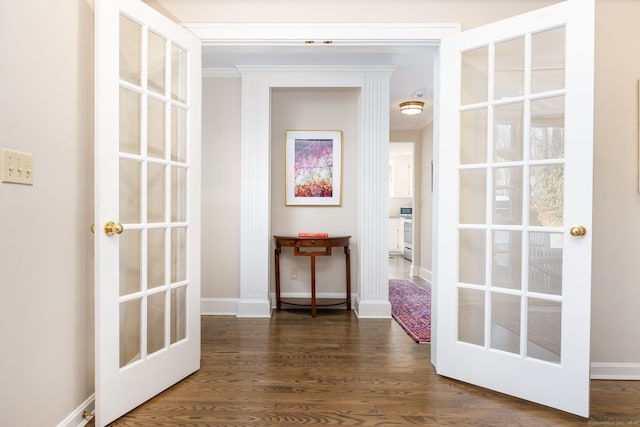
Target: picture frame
x: 313, y: 168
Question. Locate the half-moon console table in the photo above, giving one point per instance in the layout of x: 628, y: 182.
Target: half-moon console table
x: 313, y: 247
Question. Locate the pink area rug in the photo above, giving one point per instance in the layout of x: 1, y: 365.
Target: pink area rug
x: 411, y: 308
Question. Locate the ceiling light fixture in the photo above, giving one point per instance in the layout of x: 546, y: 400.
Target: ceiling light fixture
x: 411, y: 107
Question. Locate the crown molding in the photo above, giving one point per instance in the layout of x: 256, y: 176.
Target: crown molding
x: 229, y: 34
x: 227, y: 72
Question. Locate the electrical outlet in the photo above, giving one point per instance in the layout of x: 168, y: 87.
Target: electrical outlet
x: 294, y: 274
x: 17, y: 167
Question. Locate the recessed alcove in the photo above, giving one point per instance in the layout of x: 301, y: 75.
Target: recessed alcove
x: 369, y: 236
x: 313, y: 109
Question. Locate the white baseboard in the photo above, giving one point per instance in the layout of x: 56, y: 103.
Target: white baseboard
x: 76, y: 418
x: 425, y: 274
x: 414, y: 270
x: 254, y: 308
x: 378, y: 309
x: 219, y: 306
x: 229, y: 306
x: 615, y: 371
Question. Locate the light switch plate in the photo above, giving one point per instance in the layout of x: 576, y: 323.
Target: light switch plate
x: 17, y: 167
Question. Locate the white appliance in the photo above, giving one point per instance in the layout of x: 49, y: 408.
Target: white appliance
x: 408, y: 238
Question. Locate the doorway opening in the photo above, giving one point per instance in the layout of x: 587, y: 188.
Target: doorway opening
x: 401, y: 208
x: 281, y: 57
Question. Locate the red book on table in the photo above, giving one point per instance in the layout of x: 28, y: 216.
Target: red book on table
x: 318, y: 235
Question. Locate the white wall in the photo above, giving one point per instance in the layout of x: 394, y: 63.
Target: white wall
x: 221, y: 187
x: 616, y: 219
x: 314, y: 109
x: 394, y: 204
x: 426, y: 204
x: 423, y: 197
x: 46, y: 264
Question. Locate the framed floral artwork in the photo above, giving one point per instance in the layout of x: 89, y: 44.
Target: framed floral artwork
x: 314, y: 168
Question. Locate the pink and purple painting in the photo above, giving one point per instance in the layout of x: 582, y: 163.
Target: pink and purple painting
x: 313, y: 167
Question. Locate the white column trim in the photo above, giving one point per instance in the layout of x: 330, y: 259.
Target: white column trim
x: 255, y: 200
x: 372, y: 299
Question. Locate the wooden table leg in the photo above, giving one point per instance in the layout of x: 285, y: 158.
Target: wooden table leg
x: 313, y: 286
x: 277, y: 258
x: 347, y: 261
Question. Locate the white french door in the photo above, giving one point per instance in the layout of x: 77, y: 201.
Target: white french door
x: 515, y: 182
x: 147, y: 205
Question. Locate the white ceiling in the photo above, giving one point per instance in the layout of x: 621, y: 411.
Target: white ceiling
x: 414, y: 68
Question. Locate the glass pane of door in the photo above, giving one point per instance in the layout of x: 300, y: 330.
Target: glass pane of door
x: 507, y: 198
x: 473, y: 196
x: 178, y: 74
x: 545, y: 262
x: 509, y: 68
x: 130, y: 350
x: 471, y: 316
x: 548, y: 60
x: 178, y: 134
x: 507, y: 132
x: 543, y: 338
x: 130, y: 48
x: 129, y: 121
x: 473, y: 137
x: 507, y: 259
x: 178, y: 254
x: 178, y: 314
x: 130, y: 256
x: 156, y: 62
x: 153, y: 193
x: 155, y: 128
x: 511, y: 290
x: 475, y: 67
x: 156, y: 194
x: 155, y: 322
x: 156, y: 257
x: 505, y: 322
x: 130, y: 197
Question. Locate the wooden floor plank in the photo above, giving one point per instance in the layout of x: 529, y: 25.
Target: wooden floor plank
x: 337, y: 370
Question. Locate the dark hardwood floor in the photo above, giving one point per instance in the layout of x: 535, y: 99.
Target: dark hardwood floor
x: 334, y: 369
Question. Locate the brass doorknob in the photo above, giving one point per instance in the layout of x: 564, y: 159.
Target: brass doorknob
x: 578, y: 231
x: 111, y: 228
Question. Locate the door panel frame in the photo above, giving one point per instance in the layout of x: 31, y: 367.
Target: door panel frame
x: 573, y: 372
x: 160, y: 370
